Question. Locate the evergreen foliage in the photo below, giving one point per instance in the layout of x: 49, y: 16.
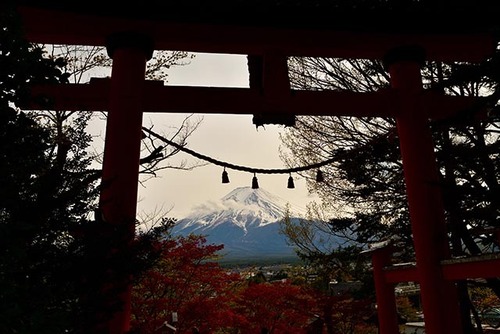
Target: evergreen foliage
x: 38, y: 199
x: 54, y: 249
x: 48, y: 246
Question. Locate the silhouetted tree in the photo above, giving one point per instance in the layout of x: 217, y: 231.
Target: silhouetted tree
x: 364, y: 190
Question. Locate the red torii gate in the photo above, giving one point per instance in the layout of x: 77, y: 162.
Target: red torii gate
x: 126, y: 95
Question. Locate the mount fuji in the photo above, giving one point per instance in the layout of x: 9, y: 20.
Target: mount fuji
x: 245, y: 221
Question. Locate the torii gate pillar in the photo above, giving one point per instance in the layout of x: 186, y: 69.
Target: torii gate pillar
x: 387, y: 314
x: 118, y: 198
x: 439, y: 297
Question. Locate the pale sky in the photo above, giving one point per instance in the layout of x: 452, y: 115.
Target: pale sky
x: 229, y: 138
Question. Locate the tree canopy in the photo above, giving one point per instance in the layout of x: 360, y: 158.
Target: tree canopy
x: 364, y: 189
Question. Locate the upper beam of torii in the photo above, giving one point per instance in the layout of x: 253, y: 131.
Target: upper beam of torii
x: 90, y: 26
x: 273, y: 44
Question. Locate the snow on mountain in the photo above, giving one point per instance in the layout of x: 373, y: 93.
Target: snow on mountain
x: 246, y: 221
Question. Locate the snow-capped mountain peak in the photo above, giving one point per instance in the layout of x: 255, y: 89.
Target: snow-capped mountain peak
x: 248, y: 195
x: 243, y: 206
x: 246, y: 220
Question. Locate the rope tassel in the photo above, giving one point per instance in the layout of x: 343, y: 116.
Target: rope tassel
x: 290, y: 182
x: 225, y: 177
x: 255, y: 183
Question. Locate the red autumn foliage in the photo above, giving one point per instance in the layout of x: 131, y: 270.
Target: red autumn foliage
x: 207, y: 297
x: 277, y: 307
x: 185, y: 281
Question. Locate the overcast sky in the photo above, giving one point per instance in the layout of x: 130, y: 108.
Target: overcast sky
x: 229, y: 138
